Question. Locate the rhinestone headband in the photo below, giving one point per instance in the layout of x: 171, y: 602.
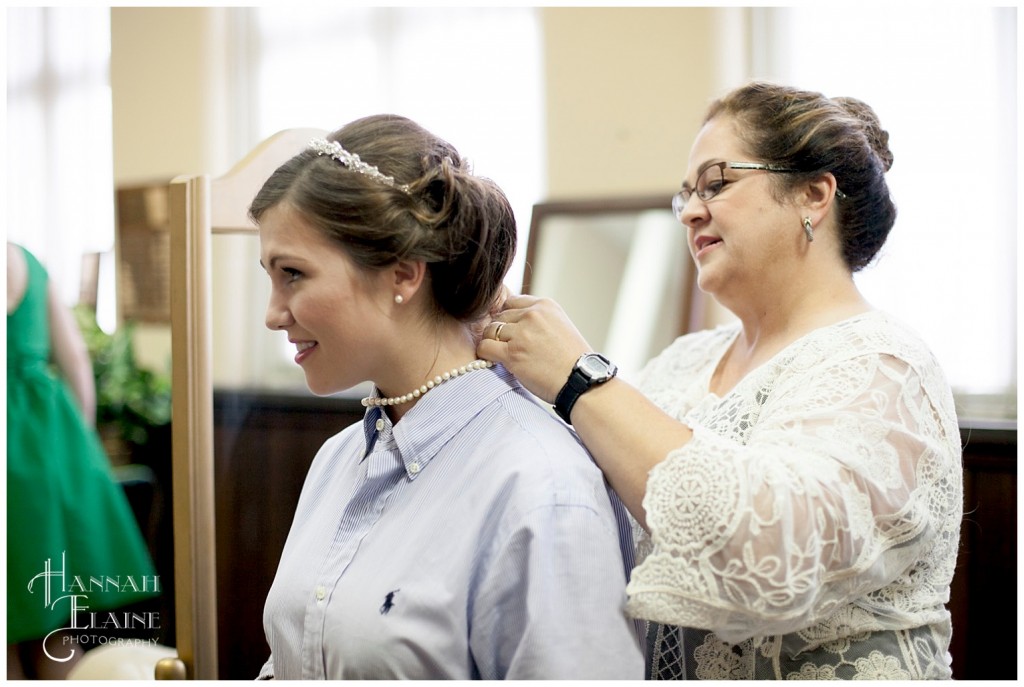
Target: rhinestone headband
x: 350, y: 160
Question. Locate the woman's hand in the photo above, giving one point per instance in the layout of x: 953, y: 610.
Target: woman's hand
x: 623, y: 430
x: 536, y: 341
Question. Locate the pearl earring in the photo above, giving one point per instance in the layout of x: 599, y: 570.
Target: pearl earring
x: 808, y: 229
x: 399, y: 299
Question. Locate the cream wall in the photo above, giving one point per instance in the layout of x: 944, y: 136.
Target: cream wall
x: 167, y: 75
x: 626, y: 91
x: 168, y: 81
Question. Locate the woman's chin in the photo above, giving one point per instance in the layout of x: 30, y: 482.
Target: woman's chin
x: 320, y: 388
x: 706, y: 281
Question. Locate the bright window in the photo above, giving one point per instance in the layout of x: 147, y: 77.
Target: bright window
x: 60, y: 184
x: 943, y: 82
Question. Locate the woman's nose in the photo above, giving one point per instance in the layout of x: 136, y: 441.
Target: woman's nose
x: 692, y: 211
x: 278, y: 316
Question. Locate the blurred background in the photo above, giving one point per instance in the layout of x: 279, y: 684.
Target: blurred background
x: 550, y: 102
x: 106, y: 105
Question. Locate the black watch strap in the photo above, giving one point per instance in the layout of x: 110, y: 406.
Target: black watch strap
x: 570, y: 393
x: 590, y: 370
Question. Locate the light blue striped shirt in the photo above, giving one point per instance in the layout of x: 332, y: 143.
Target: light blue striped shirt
x: 474, y: 539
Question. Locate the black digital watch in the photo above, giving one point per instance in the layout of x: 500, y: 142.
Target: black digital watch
x: 590, y: 370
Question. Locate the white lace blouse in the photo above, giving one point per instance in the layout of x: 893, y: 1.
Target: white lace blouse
x: 810, y: 527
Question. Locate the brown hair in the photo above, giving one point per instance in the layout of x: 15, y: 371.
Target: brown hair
x: 808, y: 132
x: 462, y: 226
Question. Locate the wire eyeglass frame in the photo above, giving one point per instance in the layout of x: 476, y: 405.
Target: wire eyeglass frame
x: 709, y: 190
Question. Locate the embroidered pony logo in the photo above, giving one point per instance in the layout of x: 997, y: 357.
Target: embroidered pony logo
x: 389, y: 602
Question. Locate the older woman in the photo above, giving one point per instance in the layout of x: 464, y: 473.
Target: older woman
x: 797, y: 473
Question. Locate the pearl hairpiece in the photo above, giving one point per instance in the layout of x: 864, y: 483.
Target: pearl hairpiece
x: 350, y: 160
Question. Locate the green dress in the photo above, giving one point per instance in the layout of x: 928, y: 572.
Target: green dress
x: 65, y: 512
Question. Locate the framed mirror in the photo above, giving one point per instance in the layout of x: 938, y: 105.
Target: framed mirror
x: 620, y: 268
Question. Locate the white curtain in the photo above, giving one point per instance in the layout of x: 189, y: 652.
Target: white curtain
x: 60, y: 188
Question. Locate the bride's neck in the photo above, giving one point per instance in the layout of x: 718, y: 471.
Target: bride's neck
x: 433, y: 352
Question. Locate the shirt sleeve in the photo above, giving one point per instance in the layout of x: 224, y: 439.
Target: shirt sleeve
x: 846, y: 477
x: 551, y: 604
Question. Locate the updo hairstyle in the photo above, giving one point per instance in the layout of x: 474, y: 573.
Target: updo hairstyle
x: 806, y: 131
x: 460, y: 225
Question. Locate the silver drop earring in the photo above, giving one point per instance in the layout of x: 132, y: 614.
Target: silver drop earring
x: 808, y: 229
x: 398, y: 298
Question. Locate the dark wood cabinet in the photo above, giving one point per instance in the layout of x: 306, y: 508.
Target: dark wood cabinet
x: 983, y: 598
x: 263, y: 447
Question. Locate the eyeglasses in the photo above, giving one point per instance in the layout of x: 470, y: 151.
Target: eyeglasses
x: 712, y: 180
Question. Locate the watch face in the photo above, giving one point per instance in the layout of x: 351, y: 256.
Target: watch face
x: 596, y: 367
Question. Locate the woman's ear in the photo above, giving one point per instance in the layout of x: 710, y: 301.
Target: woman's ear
x: 817, y: 196
x: 407, y: 277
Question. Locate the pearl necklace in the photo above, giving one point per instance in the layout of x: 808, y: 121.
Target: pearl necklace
x: 371, y: 402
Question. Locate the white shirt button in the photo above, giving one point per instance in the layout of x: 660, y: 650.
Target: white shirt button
x: 380, y: 425
x: 320, y: 593
x: 414, y: 468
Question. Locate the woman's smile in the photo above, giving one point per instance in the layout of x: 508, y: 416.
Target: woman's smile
x: 704, y: 243
x: 323, y: 299
x: 304, y: 350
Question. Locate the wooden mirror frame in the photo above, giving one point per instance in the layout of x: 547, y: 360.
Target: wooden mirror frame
x: 198, y: 208
x: 693, y: 301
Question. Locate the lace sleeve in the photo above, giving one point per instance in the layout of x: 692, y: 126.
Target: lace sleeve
x: 817, y: 487
x: 267, y: 671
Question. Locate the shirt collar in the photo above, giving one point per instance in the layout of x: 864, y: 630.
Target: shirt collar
x: 438, y: 415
